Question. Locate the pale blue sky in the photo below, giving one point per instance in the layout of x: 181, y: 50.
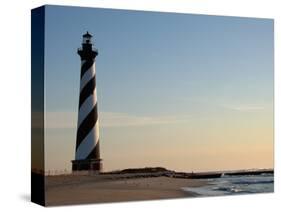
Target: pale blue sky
x: 159, y: 71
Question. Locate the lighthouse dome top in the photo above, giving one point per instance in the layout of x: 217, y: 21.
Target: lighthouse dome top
x: 87, y: 35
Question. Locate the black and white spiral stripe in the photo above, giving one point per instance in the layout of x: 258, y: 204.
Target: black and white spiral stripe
x: 87, y: 141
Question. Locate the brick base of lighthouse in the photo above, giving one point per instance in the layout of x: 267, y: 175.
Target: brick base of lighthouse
x: 87, y: 165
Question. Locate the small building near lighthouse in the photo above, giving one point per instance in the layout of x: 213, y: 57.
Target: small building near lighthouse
x: 87, y: 150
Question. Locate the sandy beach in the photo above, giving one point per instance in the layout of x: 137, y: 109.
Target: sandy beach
x: 71, y: 189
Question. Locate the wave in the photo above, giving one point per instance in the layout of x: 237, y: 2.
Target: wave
x: 229, y: 189
x: 253, y: 182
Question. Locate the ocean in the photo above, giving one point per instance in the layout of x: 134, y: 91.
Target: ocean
x: 232, y: 185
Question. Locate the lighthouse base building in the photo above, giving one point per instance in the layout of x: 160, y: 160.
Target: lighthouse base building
x: 87, y: 151
x: 90, y: 165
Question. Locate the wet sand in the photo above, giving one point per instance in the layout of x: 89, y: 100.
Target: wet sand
x: 73, y: 189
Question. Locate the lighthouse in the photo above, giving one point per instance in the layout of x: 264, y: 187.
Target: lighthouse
x: 87, y: 152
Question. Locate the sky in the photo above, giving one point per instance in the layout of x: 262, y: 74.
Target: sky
x: 181, y: 91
